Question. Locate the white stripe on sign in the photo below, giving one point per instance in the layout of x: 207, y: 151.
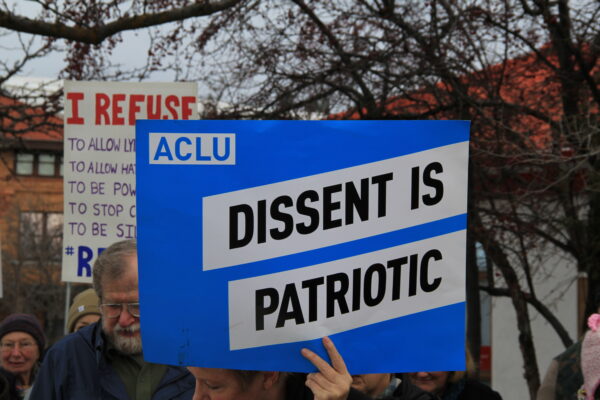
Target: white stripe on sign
x: 320, y: 300
x: 321, y: 210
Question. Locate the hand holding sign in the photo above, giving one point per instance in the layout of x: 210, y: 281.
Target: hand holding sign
x: 332, y: 382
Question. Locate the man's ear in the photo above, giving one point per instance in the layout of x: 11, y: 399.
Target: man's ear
x: 270, y: 379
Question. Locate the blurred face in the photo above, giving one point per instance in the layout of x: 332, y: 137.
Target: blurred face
x: 371, y: 384
x: 19, y: 352
x: 433, y: 382
x: 223, y: 384
x: 85, y: 321
x: 124, y: 331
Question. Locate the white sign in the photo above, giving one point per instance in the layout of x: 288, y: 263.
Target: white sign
x: 325, y: 299
x: 319, y: 209
x: 99, y: 162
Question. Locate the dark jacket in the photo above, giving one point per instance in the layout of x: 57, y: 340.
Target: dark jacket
x: 8, y: 386
x: 569, y: 377
x: 77, y: 368
x: 295, y: 389
x: 408, y: 391
x: 470, y: 390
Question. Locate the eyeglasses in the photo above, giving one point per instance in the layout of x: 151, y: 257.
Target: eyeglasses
x: 114, y: 310
x: 7, y: 347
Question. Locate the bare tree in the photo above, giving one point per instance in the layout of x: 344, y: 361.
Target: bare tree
x: 525, y: 72
x: 86, y: 32
x: 32, y: 266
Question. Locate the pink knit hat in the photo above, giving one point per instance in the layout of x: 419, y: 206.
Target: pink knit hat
x: 590, y: 357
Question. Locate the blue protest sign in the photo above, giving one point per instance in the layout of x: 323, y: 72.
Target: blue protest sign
x: 257, y: 238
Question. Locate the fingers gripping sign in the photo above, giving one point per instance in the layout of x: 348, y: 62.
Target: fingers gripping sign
x: 332, y: 382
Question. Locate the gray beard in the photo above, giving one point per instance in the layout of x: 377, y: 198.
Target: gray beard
x: 126, y: 345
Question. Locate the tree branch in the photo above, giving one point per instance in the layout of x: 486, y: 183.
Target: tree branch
x: 99, y: 33
x: 539, y: 307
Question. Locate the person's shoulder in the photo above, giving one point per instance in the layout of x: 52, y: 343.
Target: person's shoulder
x: 357, y: 395
x: 8, y: 385
x: 407, y: 391
x: 478, y: 390
x: 295, y: 389
x: 571, y: 352
x: 84, y: 339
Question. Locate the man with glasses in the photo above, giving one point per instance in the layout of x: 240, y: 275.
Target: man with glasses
x: 104, y: 360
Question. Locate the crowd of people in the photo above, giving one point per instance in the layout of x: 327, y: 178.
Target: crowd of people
x: 102, y: 358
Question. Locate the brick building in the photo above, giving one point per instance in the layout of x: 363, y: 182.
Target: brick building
x: 31, y: 206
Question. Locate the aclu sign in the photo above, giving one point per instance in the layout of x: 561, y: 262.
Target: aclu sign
x: 257, y: 238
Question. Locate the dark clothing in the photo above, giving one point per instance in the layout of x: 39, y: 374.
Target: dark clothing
x: 569, y: 377
x: 408, y: 391
x: 77, y: 368
x: 467, y: 389
x: 563, y: 377
x: 8, y: 385
x: 141, y: 378
x: 295, y: 389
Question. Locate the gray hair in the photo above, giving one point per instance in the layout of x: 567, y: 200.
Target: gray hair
x: 111, y: 263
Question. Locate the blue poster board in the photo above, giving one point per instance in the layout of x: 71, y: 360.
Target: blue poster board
x: 257, y: 238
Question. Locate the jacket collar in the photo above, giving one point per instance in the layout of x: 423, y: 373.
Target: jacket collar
x: 109, y: 379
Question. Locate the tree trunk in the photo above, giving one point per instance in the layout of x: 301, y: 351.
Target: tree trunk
x: 493, y: 249
x: 473, y: 305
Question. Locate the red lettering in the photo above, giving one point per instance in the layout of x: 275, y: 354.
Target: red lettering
x: 102, y: 103
x: 117, y: 109
x: 134, y: 108
x: 126, y: 108
x: 186, y: 106
x: 75, y: 98
x: 172, y: 99
x: 154, y: 112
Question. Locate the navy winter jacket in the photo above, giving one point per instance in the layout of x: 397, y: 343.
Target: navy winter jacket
x: 76, y: 368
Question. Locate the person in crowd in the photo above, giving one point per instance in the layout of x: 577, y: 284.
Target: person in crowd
x: 388, y: 387
x: 590, y: 361
x: 453, y: 385
x: 84, y: 311
x: 104, y: 360
x: 331, y: 382
x: 563, y: 376
x: 22, y: 344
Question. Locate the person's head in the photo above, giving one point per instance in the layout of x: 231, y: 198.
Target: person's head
x: 115, y: 277
x: 590, y: 358
x: 22, y: 343
x: 231, y: 384
x: 371, y: 384
x: 434, y: 382
x: 437, y: 382
x: 85, y: 310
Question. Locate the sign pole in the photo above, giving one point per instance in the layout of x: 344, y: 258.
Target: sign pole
x: 67, y: 304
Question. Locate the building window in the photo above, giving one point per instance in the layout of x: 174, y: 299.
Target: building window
x: 24, y: 164
x: 39, y: 164
x: 47, y: 164
x: 40, y: 236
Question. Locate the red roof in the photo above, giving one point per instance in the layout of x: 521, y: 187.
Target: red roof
x: 19, y: 121
x: 527, y: 88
